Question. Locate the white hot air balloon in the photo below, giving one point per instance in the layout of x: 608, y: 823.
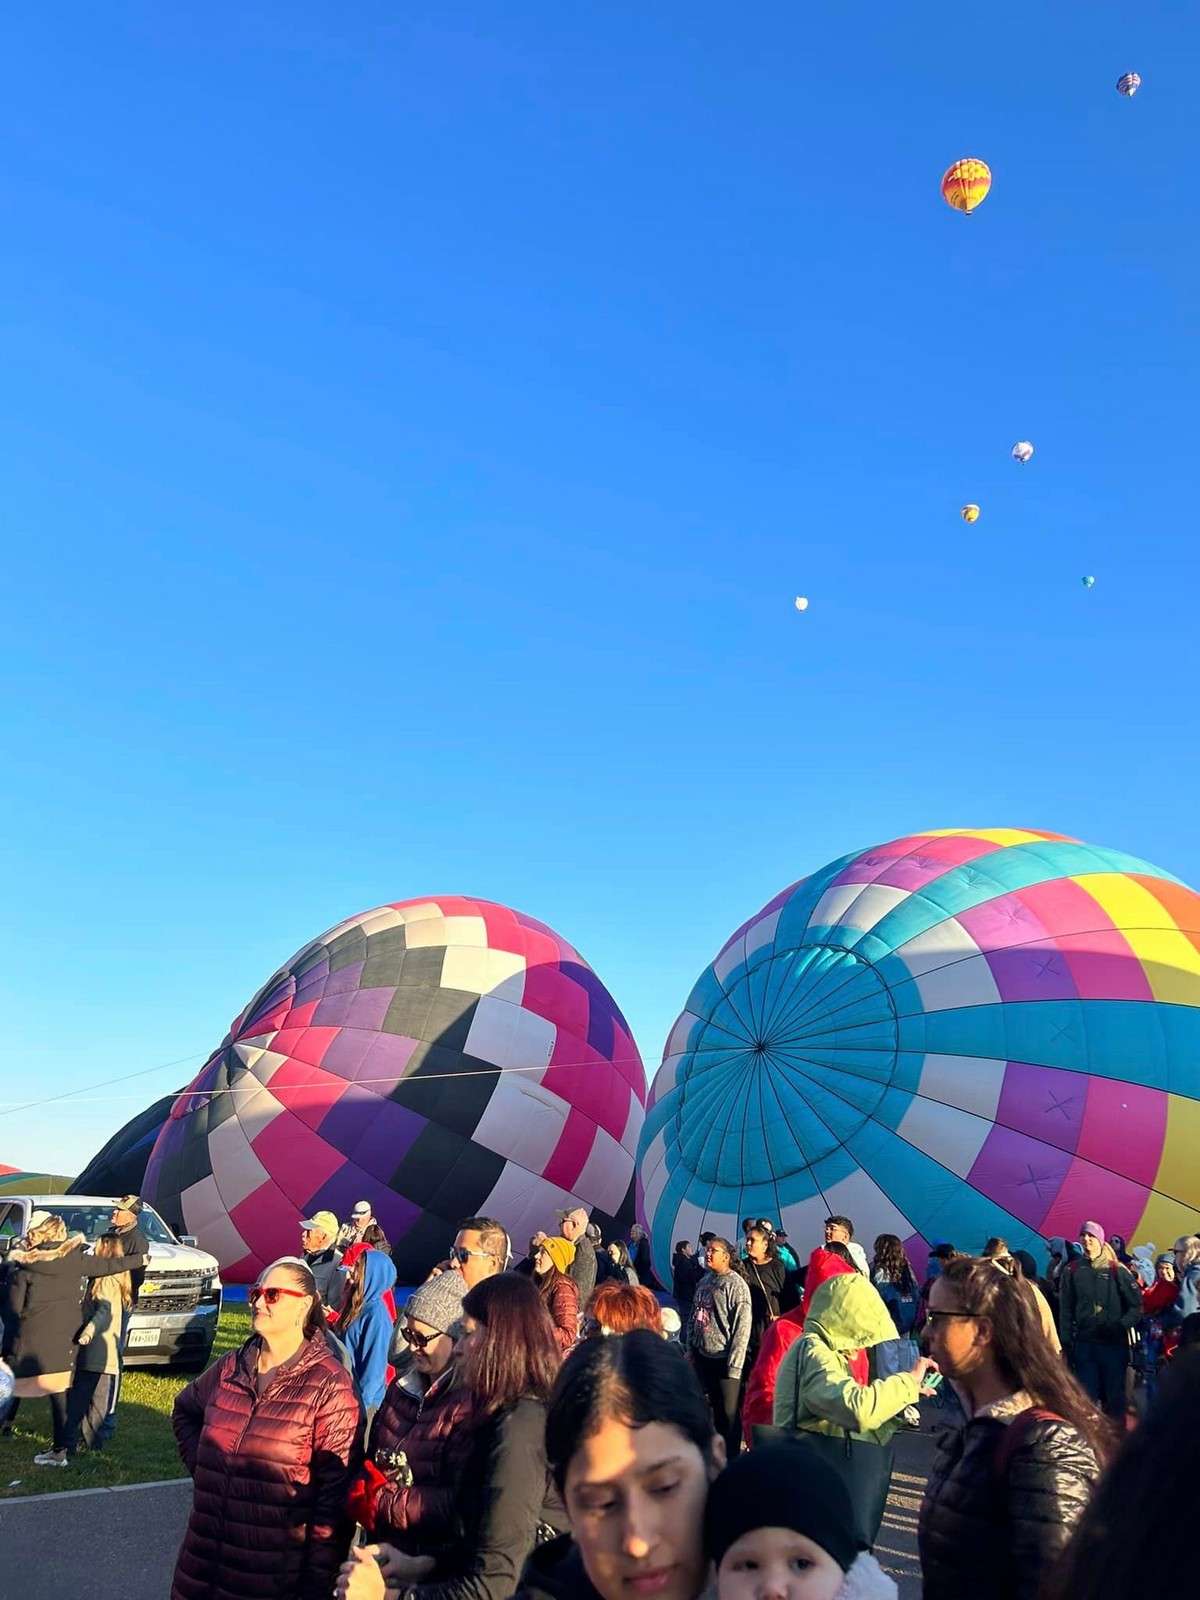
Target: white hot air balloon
x: 801, y: 602
x: 1022, y: 451
x: 1129, y: 84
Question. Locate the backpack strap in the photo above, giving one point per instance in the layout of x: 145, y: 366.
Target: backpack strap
x: 1014, y: 1436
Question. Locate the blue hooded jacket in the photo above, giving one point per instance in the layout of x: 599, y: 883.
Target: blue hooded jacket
x: 368, y: 1337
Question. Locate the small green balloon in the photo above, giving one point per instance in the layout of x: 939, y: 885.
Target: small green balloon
x: 1088, y: 582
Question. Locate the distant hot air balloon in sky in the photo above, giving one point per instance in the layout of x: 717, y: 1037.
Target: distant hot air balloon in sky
x: 1022, y: 451
x: 1129, y: 85
x: 966, y: 183
x: 1088, y: 582
x: 970, y: 513
x: 801, y: 603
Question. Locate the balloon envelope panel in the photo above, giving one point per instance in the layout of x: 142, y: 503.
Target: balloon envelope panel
x: 957, y: 1034
x: 440, y: 1058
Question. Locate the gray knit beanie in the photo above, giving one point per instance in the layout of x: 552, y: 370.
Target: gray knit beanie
x: 438, y: 1303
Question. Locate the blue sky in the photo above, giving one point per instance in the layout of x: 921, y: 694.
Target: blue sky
x: 418, y: 420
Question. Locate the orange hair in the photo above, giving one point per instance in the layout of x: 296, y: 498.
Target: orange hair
x: 621, y: 1308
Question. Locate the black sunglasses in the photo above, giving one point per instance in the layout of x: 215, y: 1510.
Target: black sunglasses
x: 420, y: 1341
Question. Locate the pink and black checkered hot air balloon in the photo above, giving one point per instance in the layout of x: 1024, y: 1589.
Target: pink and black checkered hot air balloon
x: 441, y: 1058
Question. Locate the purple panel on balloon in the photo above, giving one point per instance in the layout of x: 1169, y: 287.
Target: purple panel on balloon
x: 362, y: 1008
x: 374, y: 1133
x: 1020, y: 1174
x: 1031, y: 973
x: 1045, y: 1102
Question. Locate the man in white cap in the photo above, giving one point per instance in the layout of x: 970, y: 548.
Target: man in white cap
x: 361, y: 1219
x: 318, y: 1235
x: 583, y: 1269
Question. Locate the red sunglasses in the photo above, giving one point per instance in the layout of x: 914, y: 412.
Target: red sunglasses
x: 272, y: 1295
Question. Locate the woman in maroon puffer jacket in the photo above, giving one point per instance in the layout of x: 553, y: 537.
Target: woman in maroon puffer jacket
x: 559, y: 1291
x: 422, y: 1437
x: 272, y: 1436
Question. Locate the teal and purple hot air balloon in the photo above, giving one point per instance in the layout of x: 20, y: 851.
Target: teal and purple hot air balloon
x: 954, y: 1035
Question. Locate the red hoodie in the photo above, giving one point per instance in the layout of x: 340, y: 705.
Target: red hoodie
x: 758, y: 1401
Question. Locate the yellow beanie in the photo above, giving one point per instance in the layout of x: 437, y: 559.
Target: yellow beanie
x: 561, y: 1252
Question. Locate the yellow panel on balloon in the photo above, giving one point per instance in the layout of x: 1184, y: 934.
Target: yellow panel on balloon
x: 1170, y: 959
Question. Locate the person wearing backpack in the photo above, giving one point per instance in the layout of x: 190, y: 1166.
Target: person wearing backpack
x: 1006, y: 1489
x: 1099, y: 1304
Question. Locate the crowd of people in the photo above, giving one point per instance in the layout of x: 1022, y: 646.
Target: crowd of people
x: 562, y: 1428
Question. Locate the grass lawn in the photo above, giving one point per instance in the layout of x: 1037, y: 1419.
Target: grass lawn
x: 144, y: 1448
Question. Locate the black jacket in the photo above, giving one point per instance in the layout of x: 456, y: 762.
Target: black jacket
x: 506, y: 1501
x: 686, y: 1272
x: 991, y: 1530
x: 45, y: 1289
x: 555, y: 1572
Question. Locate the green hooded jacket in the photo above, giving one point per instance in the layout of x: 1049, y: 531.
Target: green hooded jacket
x: 847, y: 1313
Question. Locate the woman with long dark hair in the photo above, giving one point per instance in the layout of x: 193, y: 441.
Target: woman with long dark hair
x: 631, y: 1445
x: 618, y: 1252
x: 272, y: 1436
x: 365, y: 1325
x: 766, y: 1277
x: 1007, y: 1488
x: 507, y: 1357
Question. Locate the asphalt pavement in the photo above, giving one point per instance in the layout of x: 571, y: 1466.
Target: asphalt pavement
x: 120, y: 1544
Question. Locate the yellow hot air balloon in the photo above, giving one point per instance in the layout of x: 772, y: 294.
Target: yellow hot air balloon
x: 966, y: 184
x: 970, y: 513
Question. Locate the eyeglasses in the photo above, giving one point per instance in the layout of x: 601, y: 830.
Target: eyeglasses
x: 272, y: 1295
x: 463, y: 1256
x: 948, y: 1316
x: 420, y: 1341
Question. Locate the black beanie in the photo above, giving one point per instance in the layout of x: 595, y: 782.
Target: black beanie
x: 785, y: 1485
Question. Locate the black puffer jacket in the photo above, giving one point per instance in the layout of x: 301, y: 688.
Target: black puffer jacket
x: 507, y: 1502
x: 989, y: 1528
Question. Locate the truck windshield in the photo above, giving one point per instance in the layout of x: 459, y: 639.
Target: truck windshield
x: 92, y: 1221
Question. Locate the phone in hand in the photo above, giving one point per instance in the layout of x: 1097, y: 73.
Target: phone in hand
x: 932, y: 1380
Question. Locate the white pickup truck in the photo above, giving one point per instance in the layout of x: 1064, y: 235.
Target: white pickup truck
x: 177, y: 1312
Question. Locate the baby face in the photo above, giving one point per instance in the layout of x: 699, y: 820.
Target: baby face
x: 777, y: 1564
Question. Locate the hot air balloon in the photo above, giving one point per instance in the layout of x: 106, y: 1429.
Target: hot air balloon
x: 1129, y: 85
x: 1022, y: 451
x: 959, y: 1034
x: 801, y: 603
x: 1088, y: 582
x: 966, y: 183
x: 445, y: 1058
x: 970, y: 513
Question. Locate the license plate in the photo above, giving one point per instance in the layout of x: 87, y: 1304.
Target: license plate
x: 140, y: 1337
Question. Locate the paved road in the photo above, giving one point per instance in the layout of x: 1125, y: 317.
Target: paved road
x: 120, y: 1544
